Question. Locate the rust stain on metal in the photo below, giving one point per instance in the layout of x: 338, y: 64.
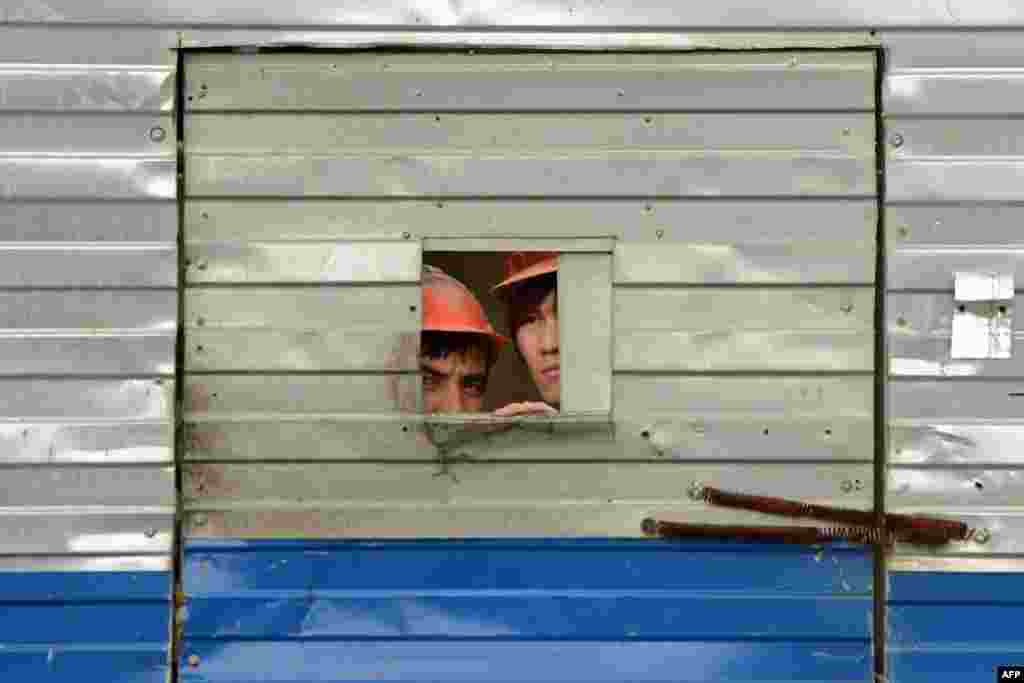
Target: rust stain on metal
x: 197, y: 398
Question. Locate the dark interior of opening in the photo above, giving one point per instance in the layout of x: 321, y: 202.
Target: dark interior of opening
x: 510, y: 380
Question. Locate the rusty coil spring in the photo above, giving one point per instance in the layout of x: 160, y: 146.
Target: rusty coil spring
x: 901, y: 527
x: 792, y: 534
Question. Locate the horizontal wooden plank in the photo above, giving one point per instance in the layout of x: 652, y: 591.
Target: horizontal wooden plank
x: 617, y: 172
x: 303, y: 308
x: 340, y: 486
x: 421, y: 134
x: 305, y: 350
x: 801, y: 261
x: 673, y: 329
x: 920, y: 331
x: 739, y: 397
x: 241, y: 394
x: 676, y: 418
x: 98, y: 442
x: 315, y: 328
x: 409, y: 437
x: 740, y: 225
x: 523, y: 82
x: 101, y: 532
x: 572, y: 245
x: 514, y: 521
x: 323, y: 262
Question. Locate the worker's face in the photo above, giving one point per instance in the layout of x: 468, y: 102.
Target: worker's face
x: 454, y: 383
x: 537, y: 340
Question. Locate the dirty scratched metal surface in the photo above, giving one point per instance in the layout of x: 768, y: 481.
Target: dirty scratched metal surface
x: 365, y: 606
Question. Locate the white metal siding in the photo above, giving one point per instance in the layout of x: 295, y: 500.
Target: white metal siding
x: 953, y: 131
x: 88, y: 263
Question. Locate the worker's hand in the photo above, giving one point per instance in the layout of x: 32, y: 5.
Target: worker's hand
x: 526, y: 408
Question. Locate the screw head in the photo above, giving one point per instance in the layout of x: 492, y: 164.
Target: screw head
x: 982, y: 536
x: 896, y: 140
x: 157, y: 134
x: 695, y: 491
x: 846, y: 307
x: 149, y: 533
x: 846, y: 486
x: 406, y: 235
x: 660, y: 234
x: 199, y: 520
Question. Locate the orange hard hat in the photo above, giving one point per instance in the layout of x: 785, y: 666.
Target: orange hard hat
x: 449, y: 306
x: 523, y: 265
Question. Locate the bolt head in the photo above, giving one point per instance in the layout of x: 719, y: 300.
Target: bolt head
x: 982, y: 536
x: 696, y: 491
x: 157, y: 134
x: 199, y: 520
x: 896, y: 140
x: 846, y: 486
x: 150, y: 533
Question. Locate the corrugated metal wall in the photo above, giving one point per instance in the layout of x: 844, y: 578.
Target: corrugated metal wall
x: 96, y: 62
x: 953, y: 123
x: 88, y: 265
x: 314, y: 183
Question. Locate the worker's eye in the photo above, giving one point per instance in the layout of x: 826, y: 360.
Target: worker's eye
x: 474, y: 387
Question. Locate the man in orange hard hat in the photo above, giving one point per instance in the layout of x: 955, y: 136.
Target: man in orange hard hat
x: 458, y: 346
x: 530, y: 293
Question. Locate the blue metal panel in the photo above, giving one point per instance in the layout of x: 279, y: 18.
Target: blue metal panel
x: 953, y: 627
x: 85, y: 627
x: 88, y: 586
x: 619, y: 610
x: 501, y: 661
